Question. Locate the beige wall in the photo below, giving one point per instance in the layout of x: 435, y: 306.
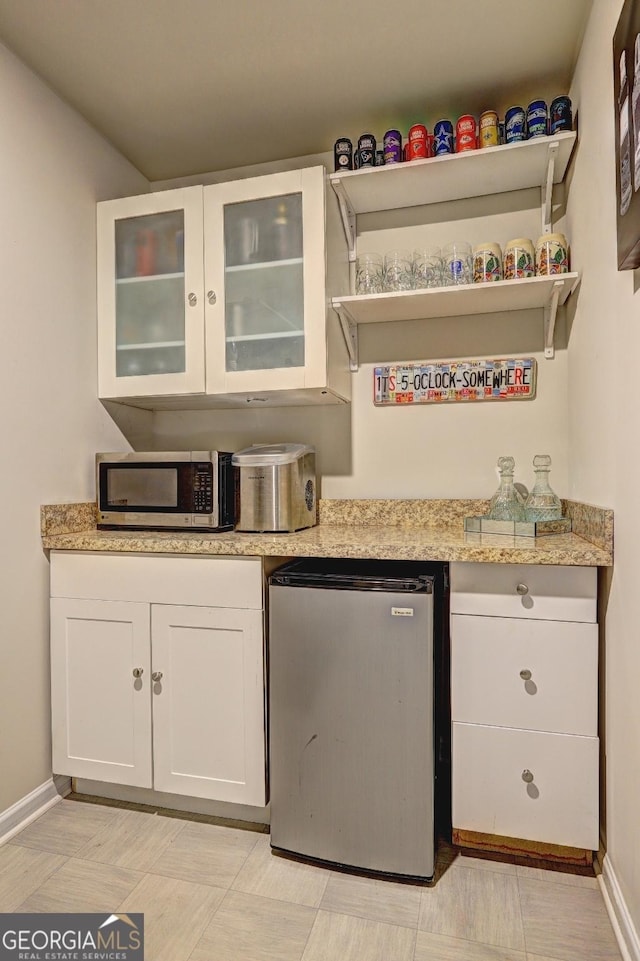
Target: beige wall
x: 53, y: 168
x: 432, y: 451
x: 604, y: 453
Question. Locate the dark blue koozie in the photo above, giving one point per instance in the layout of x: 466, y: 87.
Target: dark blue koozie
x: 443, y: 137
x: 560, y: 116
x: 537, y: 119
x: 515, y: 125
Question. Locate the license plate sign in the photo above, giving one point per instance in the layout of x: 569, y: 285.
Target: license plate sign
x: 459, y: 381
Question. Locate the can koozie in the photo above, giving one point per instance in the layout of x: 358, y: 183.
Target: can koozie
x: 466, y: 133
x: 443, y: 137
x: 537, y: 119
x: 489, y: 132
x: 515, y: 125
x: 560, y: 116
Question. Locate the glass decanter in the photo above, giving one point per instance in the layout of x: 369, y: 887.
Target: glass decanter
x: 542, y: 504
x: 507, y: 504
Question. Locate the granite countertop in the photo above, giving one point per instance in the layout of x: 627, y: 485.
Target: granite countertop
x: 389, y: 530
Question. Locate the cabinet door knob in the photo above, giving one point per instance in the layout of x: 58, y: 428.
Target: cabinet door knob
x: 193, y: 300
x: 525, y: 675
x: 138, y: 671
x: 522, y: 589
x: 527, y: 776
x: 156, y: 676
x: 211, y: 297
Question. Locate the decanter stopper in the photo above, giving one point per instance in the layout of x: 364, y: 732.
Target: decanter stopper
x: 507, y: 503
x: 542, y: 504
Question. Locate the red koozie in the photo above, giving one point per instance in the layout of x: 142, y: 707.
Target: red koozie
x: 417, y: 142
x: 466, y: 133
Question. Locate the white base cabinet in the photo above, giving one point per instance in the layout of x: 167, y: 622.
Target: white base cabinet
x: 153, y: 693
x: 101, y: 713
x: 526, y: 784
x: 208, y: 703
x: 524, y: 695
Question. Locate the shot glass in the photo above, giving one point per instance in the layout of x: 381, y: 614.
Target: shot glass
x: 370, y: 274
x: 427, y: 267
x: 398, y: 270
x: 458, y: 263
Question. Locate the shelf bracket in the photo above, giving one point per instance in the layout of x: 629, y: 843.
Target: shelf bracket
x: 550, y: 312
x: 547, y: 187
x: 348, y: 218
x: 350, y: 334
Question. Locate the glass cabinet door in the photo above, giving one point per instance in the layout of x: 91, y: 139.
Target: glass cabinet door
x: 150, y: 303
x: 150, y: 294
x: 265, y: 282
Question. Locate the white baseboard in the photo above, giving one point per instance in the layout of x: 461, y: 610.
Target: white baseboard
x: 30, y: 807
x: 621, y: 920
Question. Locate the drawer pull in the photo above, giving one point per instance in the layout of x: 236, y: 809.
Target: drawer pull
x: 137, y: 672
x: 527, y: 776
x: 522, y: 589
x: 525, y: 675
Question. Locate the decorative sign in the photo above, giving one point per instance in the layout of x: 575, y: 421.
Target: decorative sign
x: 460, y: 380
x: 626, y: 112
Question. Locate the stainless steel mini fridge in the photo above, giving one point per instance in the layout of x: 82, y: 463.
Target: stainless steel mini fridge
x: 351, y: 714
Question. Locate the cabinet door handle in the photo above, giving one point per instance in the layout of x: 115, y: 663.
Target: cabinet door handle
x: 527, y: 776
x: 525, y: 675
x: 156, y: 676
x: 193, y: 300
x: 211, y: 297
x: 522, y: 589
x: 138, y: 671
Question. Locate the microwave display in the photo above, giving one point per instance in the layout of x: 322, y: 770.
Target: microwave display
x: 143, y: 487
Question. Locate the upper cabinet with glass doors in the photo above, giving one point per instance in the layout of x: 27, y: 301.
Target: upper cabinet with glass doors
x: 222, y: 294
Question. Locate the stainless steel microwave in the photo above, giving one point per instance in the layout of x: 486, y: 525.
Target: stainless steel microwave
x: 172, y: 490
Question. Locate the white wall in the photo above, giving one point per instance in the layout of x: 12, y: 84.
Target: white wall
x: 604, y: 452
x: 53, y: 168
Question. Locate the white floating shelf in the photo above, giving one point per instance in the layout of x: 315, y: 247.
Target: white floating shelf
x: 502, y: 295
x: 474, y: 173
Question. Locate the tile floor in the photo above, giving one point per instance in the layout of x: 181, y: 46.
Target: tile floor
x: 214, y: 893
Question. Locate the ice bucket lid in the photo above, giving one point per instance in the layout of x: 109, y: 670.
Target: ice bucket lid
x: 270, y: 455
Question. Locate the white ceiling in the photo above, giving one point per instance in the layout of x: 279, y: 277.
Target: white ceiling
x: 183, y: 87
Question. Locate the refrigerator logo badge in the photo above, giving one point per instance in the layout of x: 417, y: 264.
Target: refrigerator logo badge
x: 402, y: 612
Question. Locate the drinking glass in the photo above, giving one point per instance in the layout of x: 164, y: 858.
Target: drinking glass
x: 458, y: 263
x: 427, y: 267
x: 370, y: 274
x: 398, y: 270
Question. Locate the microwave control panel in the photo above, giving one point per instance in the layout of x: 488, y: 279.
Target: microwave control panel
x: 202, y: 488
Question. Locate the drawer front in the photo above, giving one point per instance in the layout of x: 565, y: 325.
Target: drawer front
x: 559, y: 661
x: 159, y: 578
x: 559, y: 805
x: 524, y: 590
